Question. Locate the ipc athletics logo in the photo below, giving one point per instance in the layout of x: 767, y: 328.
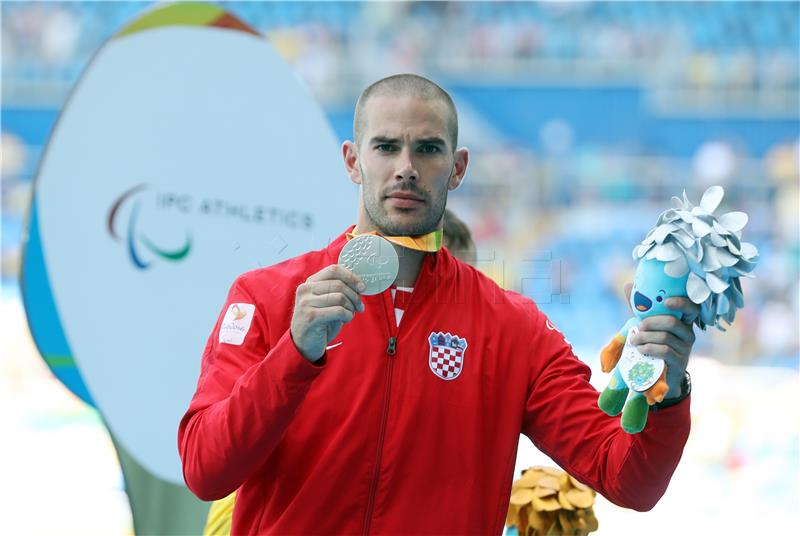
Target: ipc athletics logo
x: 131, y: 238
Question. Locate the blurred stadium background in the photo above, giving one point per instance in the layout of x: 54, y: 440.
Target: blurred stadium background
x: 583, y: 118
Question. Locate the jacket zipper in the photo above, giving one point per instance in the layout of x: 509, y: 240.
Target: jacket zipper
x: 391, y: 351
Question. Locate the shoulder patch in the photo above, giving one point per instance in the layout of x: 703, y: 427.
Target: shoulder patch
x: 236, y: 323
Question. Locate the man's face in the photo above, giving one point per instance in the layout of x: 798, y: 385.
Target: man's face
x: 405, y: 164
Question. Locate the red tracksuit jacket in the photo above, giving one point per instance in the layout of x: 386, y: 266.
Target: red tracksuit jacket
x: 402, y: 431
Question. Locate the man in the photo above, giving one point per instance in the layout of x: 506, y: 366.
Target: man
x: 457, y: 238
x: 333, y: 413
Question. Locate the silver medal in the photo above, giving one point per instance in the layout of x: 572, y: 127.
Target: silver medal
x: 373, y: 259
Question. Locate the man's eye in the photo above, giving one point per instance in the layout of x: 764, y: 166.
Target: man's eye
x: 430, y: 149
x: 385, y: 147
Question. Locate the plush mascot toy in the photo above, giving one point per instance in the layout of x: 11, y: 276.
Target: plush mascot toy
x: 689, y: 253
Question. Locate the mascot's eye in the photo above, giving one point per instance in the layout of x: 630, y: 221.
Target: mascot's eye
x: 659, y: 299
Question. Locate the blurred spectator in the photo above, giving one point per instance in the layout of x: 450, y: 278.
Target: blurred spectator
x: 458, y: 238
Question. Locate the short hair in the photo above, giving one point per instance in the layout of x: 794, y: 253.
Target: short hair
x: 458, y: 238
x: 406, y: 85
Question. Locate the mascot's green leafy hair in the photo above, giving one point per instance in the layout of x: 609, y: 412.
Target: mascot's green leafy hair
x: 690, y: 253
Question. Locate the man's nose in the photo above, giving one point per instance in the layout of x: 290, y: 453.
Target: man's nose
x: 405, y: 166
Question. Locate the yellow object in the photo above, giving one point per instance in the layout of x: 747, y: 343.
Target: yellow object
x: 188, y: 14
x: 220, y: 517
x: 185, y: 14
x: 548, y: 501
x: 430, y: 242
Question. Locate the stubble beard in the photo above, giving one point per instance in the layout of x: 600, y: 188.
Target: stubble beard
x: 373, y: 205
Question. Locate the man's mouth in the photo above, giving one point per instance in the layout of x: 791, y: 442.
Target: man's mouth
x: 404, y: 199
x: 405, y: 195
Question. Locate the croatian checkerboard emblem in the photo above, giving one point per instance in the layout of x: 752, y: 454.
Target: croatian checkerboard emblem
x: 447, y: 354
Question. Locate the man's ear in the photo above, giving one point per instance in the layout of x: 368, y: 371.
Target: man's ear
x: 459, y: 168
x: 350, y: 157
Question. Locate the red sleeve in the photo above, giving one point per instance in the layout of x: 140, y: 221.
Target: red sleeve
x: 563, y: 420
x: 246, y: 397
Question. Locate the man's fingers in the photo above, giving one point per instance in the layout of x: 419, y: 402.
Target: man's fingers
x: 336, y: 271
x: 336, y: 286
x: 664, y: 344
x: 660, y: 337
x: 668, y: 323
x: 628, y: 290
x: 672, y: 358
x: 327, y: 315
x: 336, y: 299
x: 686, y: 306
x: 325, y: 301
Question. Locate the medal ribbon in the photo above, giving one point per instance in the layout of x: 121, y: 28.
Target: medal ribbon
x: 430, y: 242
